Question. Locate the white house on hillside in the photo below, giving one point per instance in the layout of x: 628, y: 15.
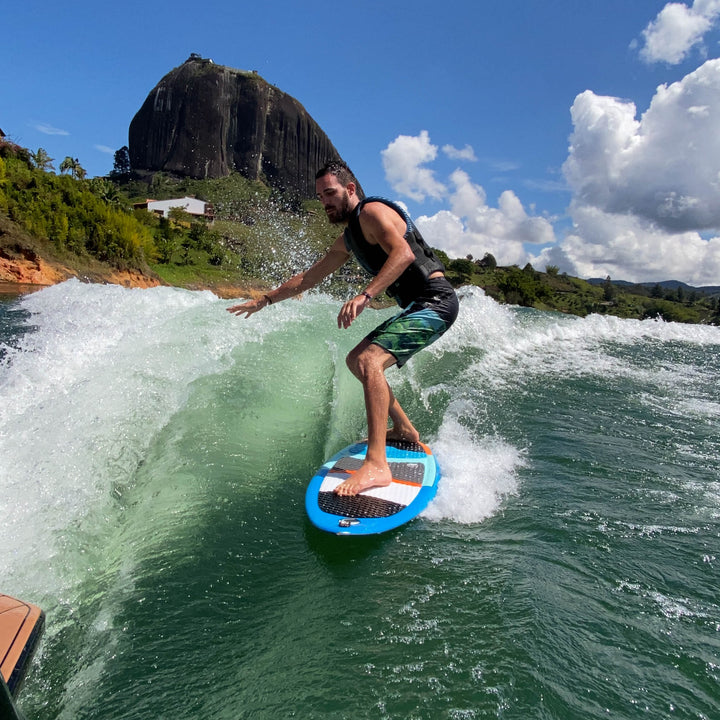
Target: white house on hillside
x: 190, y: 205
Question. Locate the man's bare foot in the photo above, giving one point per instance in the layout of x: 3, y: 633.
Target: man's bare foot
x: 403, y: 434
x: 369, y: 475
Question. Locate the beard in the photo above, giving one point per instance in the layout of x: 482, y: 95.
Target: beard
x: 339, y: 215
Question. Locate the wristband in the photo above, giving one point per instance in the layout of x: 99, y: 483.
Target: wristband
x: 367, y: 294
x: 267, y: 297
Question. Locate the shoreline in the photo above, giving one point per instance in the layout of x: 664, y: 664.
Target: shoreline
x: 223, y: 290
x: 15, y: 289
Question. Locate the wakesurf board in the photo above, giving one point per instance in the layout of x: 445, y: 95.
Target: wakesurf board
x: 415, y: 480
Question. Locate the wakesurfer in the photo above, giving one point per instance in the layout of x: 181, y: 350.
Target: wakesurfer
x: 386, y: 243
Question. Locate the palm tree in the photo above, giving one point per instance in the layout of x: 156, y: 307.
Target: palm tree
x: 105, y: 190
x: 68, y: 165
x: 42, y: 160
x: 72, y: 165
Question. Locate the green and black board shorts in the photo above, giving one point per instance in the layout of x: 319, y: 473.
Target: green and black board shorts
x: 421, y: 323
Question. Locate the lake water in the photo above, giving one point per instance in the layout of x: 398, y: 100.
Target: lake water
x: 154, y: 456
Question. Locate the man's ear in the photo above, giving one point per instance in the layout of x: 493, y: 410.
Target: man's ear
x: 351, y: 188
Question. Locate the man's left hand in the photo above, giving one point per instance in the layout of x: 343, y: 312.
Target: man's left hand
x: 351, y: 309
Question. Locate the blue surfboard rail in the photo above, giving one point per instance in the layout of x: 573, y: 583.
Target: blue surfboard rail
x: 350, y: 520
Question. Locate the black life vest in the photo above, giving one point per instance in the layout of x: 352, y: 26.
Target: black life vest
x: 372, y: 257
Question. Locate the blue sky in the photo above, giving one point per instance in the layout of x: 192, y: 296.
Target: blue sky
x: 576, y: 134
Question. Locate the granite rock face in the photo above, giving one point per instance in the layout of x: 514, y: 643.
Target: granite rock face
x: 204, y: 120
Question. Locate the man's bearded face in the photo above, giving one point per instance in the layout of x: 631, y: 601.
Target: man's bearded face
x: 334, y: 198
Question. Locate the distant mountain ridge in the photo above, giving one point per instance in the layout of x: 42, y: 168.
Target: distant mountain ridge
x: 204, y: 120
x: 710, y: 290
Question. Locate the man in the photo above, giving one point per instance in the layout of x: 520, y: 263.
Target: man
x: 387, y: 244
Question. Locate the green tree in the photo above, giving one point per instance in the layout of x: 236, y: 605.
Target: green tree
x: 518, y: 287
x: 161, y: 186
x: 715, y: 320
x: 42, y: 160
x: 71, y: 214
x: 166, y: 241
x: 73, y: 166
x: 121, y: 164
x: 463, y: 268
x: 180, y: 216
x: 67, y: 165
x: 442, y: 256
x: 59, y: 228
x: 609, y: 290
x: 105, y: 190
x: 488, y: 261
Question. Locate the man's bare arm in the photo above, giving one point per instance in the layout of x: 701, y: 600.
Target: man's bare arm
x: 335, y: 258
x: 383, y: 226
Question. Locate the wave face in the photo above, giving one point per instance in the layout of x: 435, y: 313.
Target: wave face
x: 155, y: 452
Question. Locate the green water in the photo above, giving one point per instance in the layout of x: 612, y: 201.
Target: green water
x: 155, y: 456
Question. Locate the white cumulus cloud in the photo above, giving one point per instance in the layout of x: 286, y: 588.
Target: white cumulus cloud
x: 472, y: 227
x: 403, y: 161
x: 466, y: 153
x: 664, y: 167
x: 469, y: 226
x: 646, y: 192
x: 626, y: 248
x: 677, y: 29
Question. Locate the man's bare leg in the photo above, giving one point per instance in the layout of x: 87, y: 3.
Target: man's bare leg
x: 368, y: 363
x: 402, y: 428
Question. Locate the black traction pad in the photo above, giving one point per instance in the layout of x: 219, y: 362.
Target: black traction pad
x: 360, y: 506
x: 407, y: 446
x: 411, y: 472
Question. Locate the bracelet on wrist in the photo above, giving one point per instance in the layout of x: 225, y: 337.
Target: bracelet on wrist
x: 367, y: 295
x: 269, y: 301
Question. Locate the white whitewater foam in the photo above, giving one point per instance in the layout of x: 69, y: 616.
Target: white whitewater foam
x: 517, y: 343
x: 477, y: 474
x: 81, y: 398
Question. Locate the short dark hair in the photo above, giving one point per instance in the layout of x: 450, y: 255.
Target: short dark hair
x: 342, y: 172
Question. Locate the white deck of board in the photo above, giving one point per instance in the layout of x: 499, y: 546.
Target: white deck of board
x: 395, y: 492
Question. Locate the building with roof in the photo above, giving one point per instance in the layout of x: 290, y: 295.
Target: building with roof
x: 191, y: 205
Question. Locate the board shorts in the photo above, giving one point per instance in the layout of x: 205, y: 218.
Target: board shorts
x: 421, y: 323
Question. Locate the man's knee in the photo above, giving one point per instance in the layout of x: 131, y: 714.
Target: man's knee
x: 352, y: 362
x: 356, y: 357
x: 366, y: 360
x: 360, y: 363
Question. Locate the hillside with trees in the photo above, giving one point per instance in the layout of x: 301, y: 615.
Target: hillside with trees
x: 65, y: 217
x: 258, y: 237
x: 552, y: 290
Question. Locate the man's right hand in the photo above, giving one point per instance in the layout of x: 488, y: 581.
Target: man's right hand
x: 248, y: 308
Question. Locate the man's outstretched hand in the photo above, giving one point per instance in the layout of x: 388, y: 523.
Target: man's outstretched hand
x: 248, y: 308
